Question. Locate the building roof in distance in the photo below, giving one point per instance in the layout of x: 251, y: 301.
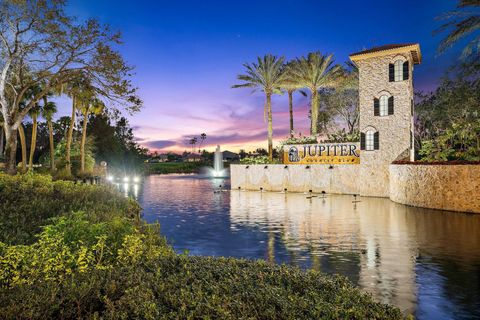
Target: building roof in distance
x: 413, y: 48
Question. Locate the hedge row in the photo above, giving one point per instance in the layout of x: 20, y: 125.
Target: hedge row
x: 27, y: 202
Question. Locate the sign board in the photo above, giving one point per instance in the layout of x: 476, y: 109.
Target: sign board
x: 322, y: 153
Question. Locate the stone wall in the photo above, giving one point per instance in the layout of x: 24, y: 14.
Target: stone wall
x: 447, y: 187
x: 444, y: 187
x: 339, y: 179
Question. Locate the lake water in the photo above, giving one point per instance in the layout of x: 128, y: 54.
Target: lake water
x: 426, y: 262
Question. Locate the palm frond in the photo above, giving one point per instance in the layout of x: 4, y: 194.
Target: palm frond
x: 461, y: 23
x: 468, y: 3
x: 462, y: 29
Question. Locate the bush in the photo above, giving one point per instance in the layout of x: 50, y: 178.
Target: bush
x: 259, y: 160
x: 299, y: 140
x: 75, y: 159
x: 27, y: 202
x: 460, y: 141
x: 79, y: 269
x: 174, y: 167
x: 342, y: 136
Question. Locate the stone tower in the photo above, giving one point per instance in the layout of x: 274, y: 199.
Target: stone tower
x: 386, y: 112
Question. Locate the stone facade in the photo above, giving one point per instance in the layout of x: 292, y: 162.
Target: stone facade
x: 338, y: 179
x: 446, y: 187
x: 394, y: 130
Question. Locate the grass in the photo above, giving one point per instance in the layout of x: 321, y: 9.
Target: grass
x: 88, y: 257
x: 173, y: 167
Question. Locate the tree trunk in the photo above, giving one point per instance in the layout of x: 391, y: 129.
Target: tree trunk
x: 52, y: 147
x: 23, y: 144
x: 10, y: 149
x: 270, y: 128
x: 68, y: 165
x: 2, y: 141
x: 315, y: 106
x: 82, y: 146
x: 33, y: 143
x: 290, y: 107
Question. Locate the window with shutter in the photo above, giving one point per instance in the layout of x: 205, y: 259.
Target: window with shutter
x: 383, y: 106
x: 362, y: 141
x: 376, y: 142
x: 376, y: 107
x: 369, y: 140
x: 398, y: 70
x: 390, y: 106
x: 391, y: 72
x: 405, y: 70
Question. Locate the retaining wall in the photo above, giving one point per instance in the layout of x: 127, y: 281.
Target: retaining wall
x: 446, y: 187
x: 339, y: 179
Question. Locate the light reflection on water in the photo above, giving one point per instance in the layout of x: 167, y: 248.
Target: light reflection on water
x: 424, y: 261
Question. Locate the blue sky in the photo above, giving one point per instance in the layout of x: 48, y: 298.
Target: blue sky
x: 188, y: 53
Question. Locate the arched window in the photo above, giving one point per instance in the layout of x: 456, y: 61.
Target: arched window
x: 369, y: 140
x: 399, y: 70
x: 383, y: 106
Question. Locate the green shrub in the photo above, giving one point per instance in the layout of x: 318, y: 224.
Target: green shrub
x: 460, y: 141
x: 75, y: 157
x: 174, y: 167
x: 79, y: 269
x: 259, y: 160
x: 27, y: 202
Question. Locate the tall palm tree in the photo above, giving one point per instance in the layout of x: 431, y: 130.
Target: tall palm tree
x: 267, y: 74
x: 290, y: 86
x: 461, y: 23
x: 23, y: 144
x: 48, y: 110
x: 76, y: 90
x: 203, y: 137
x: 87, y: 106
x: 314, y: 72
x: 33, y: 113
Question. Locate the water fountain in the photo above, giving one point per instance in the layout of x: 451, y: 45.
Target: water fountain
x: 218, y: 171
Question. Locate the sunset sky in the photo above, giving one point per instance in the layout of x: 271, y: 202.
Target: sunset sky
x: 187, y: 55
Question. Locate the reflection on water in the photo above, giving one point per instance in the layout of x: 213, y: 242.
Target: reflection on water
x: 426, y: 262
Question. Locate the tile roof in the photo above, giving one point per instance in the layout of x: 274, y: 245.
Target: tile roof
x: 383, y: 48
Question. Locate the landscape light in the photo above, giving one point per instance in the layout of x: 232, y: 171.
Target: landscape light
x: 126, y: 179
x: 110, y: 178
x: 136, y: 179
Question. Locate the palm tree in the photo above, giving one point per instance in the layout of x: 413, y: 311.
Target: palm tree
x: 48, y: 110
x: 315, y: 72
x: 33, y: 113
x: 267, y: 75
x: 203, y: 137
x: 88, y: 105
x: 461, y: 24
x: 290, y: 86
x: 76, y: 90
x: 193, y: 142
x: 23, y: 143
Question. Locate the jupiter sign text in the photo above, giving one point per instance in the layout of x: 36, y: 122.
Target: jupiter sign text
x: 323, y: 153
